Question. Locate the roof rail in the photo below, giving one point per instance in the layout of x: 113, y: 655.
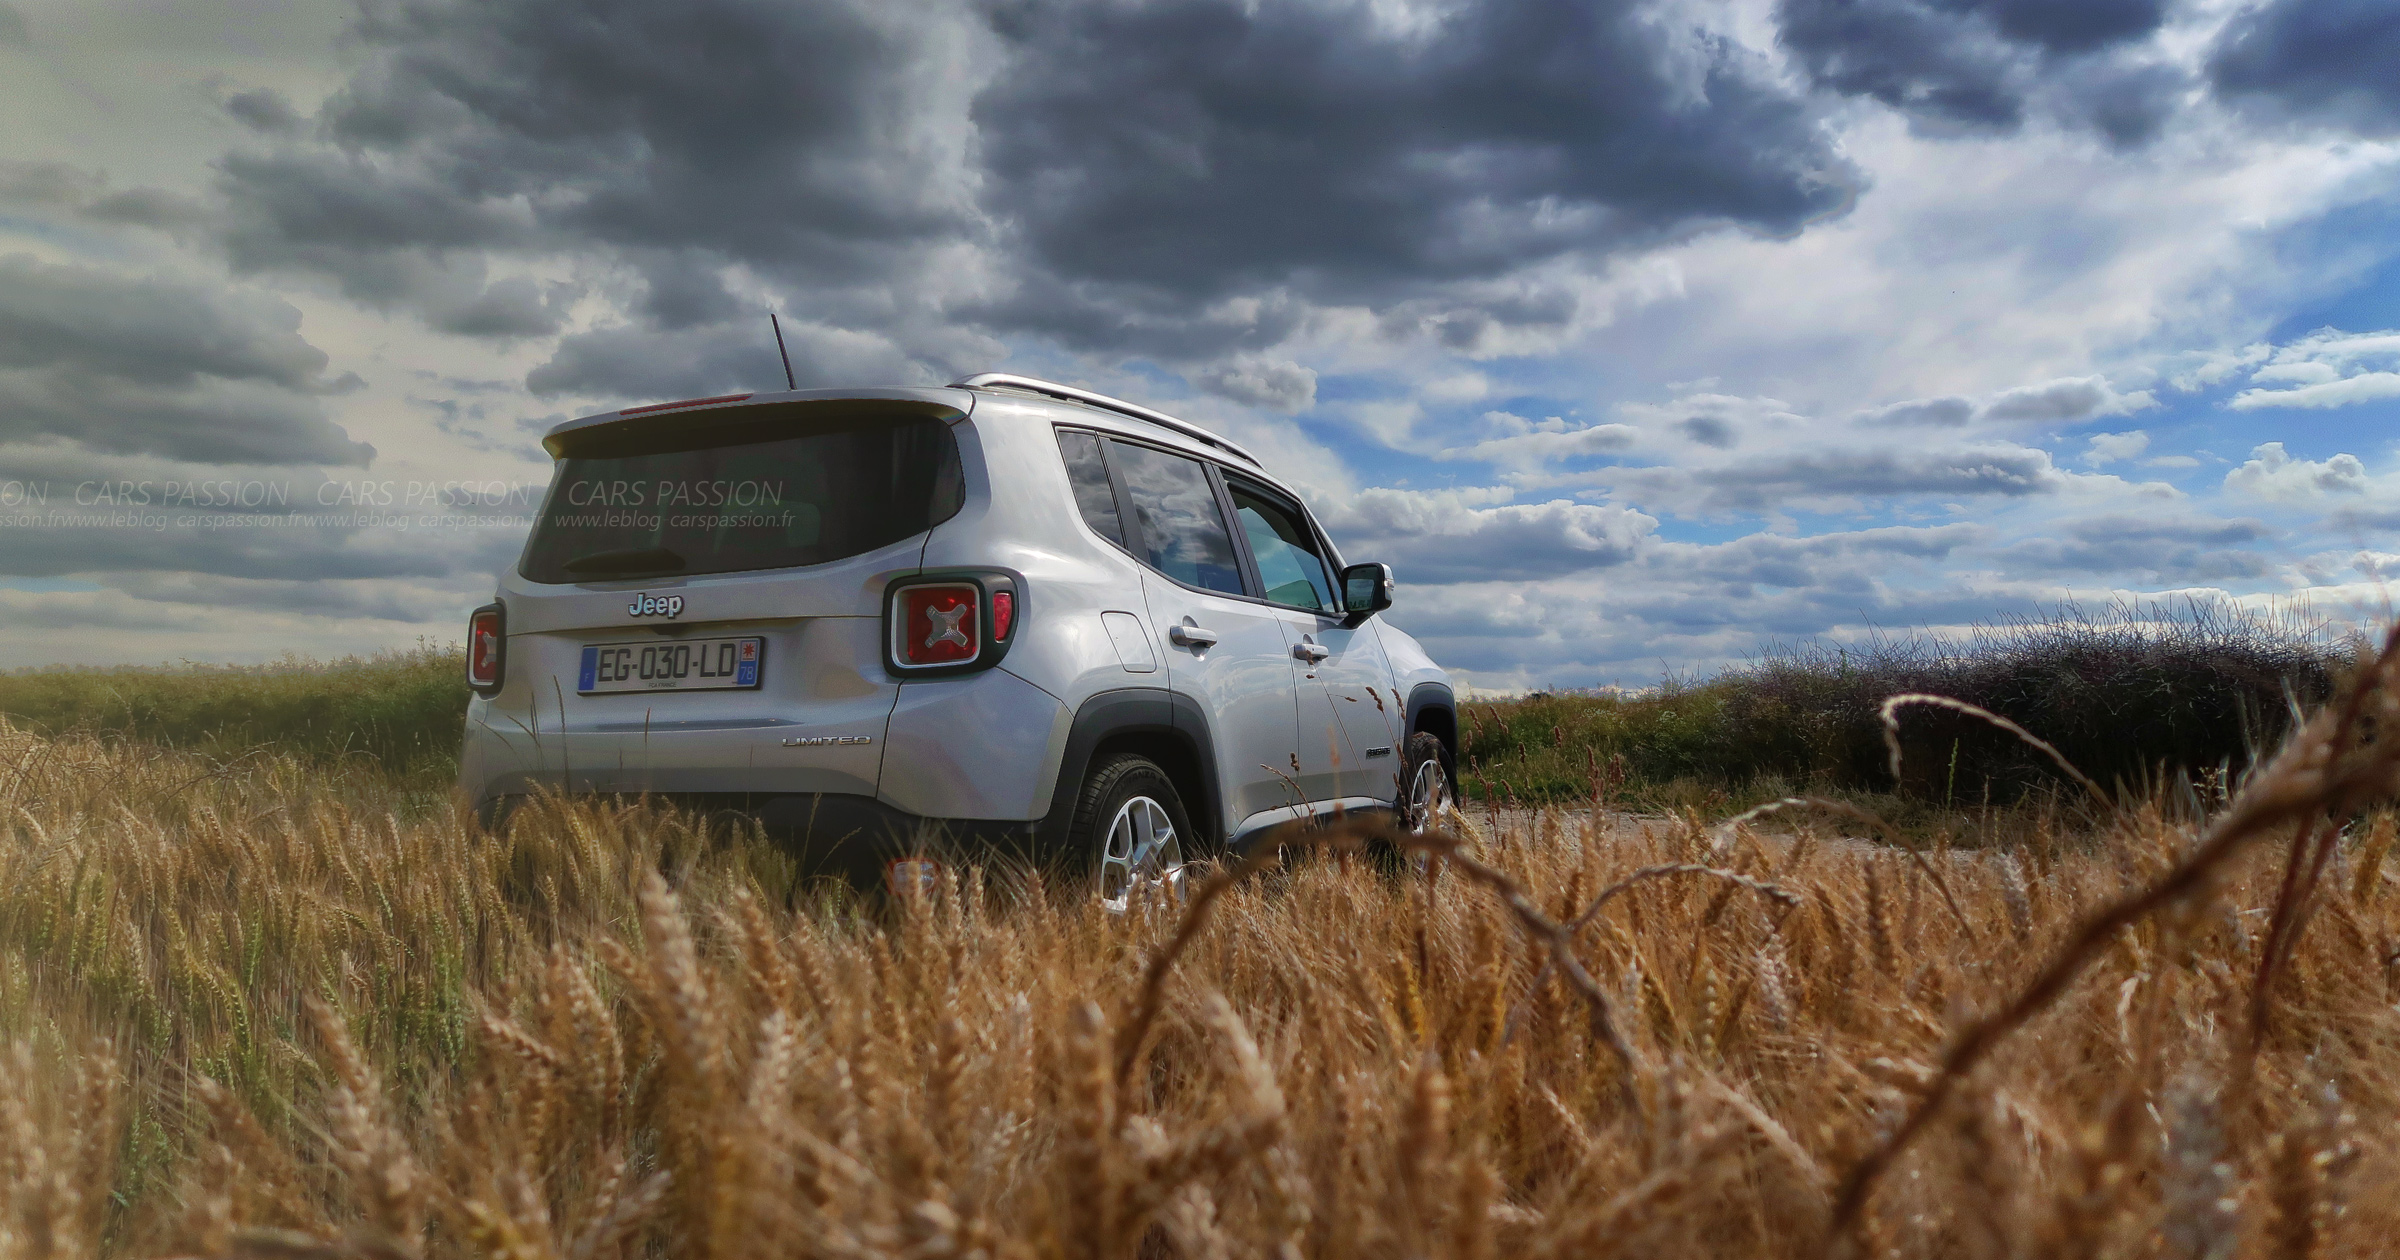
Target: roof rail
x: 1035, y: 385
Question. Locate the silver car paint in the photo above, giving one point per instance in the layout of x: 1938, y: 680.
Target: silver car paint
x: 976, y: 746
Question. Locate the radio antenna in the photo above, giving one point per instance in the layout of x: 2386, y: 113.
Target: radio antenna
x: 782, y: 353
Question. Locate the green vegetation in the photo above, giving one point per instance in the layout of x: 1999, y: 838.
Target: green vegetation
x: 402, y: 709
x: 2140, y: 698
x: 2144, y: 698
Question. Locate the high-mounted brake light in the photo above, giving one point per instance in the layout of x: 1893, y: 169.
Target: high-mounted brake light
x: 487, y: 647
x: 688, y: 402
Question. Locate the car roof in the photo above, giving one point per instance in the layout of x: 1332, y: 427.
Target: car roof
x: 1093, y: 398
x: 1058, y: 402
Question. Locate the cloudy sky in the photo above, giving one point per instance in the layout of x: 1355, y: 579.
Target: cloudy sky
x: 1634, y: 334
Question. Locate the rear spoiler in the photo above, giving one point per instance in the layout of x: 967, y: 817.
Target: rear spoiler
x: 948, y: 404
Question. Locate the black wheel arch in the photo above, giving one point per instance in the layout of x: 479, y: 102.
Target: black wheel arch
x: 1169, y: 728
x: 1432, y: 709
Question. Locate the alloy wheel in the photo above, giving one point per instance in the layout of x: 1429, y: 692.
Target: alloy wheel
x: 1142, y: 856
x: 1428, y: 796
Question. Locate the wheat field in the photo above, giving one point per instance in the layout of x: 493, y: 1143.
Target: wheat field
x: 263, y: 1008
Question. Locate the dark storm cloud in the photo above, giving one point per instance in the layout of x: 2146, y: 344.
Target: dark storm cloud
x: 1987, y: 64
x: 159, y: 367
x: 2064, y: 401
x: 1707, y: 431
x: 263, y: 110
x: 1948, y: 413
x: 1124, y: 165
x: 45, y: 184
x: 12, y: 27
x: 1777, y: 560
x: 792, y: 137
x: 2198, y: 549
x: 1198, y: 147
x: 263, y: 554
x: 380, y: 598
x: 56, y: 186
x: 2362, y: 519
x: 1766, y: 482
x: 632, y: 363
x: 1436, y: 538
x: 2329, y: 61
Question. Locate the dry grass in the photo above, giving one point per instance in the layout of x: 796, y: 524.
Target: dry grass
x: 260, y: 1010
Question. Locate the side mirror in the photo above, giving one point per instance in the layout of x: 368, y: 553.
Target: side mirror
x: 1366, y: 590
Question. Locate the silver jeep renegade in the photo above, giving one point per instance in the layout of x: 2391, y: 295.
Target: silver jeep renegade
x: 889, y: 623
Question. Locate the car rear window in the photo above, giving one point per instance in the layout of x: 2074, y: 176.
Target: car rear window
x: 772, y: 493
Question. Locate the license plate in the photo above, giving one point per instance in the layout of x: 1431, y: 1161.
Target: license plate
x: 689, y: 665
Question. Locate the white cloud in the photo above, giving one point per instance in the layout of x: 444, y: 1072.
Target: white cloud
x: 1276, y: 383
x: 1445, y: 536
x: 2110, y: 448
x: 1934, y: 413
x: 1839, y: 478
x: 2066, y: 400
x: 2201, y: 369
x: 1712, y: 422
x: 2327, y: 368
x: 1526, y: 444
x: 2274, y: 473
x: 2382, y: 566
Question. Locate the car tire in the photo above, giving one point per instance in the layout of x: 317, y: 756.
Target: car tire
x: 1132, y: 836
x: 1426, y: 787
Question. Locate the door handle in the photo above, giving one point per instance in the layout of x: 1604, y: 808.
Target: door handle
x: 1311, y: 652
x: 1192, y: 636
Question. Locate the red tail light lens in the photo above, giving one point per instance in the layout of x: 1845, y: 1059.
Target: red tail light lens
x: 938, y: 624
x: 1004, y: 613
x: 487, y: 647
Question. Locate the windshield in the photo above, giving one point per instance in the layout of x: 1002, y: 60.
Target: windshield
x: 768, y: 495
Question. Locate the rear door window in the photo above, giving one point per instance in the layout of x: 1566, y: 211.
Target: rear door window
x: 1286, y: 551
x: 1175, y: 510
x: 769, y: 493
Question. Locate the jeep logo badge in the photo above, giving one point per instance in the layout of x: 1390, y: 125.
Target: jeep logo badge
x: 648, y: 605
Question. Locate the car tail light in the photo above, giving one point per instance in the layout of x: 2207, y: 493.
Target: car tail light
x: 487, y: 647
x: 950, y: 621
x: 939, y: 624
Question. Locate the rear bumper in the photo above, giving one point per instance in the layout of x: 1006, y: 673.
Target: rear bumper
x: 853, y: 837
x: 985, y: 745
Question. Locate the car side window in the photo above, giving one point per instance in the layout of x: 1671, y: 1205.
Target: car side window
x: 1175, y: 508
x: 1286, y: 552
x: 1094, y: 497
